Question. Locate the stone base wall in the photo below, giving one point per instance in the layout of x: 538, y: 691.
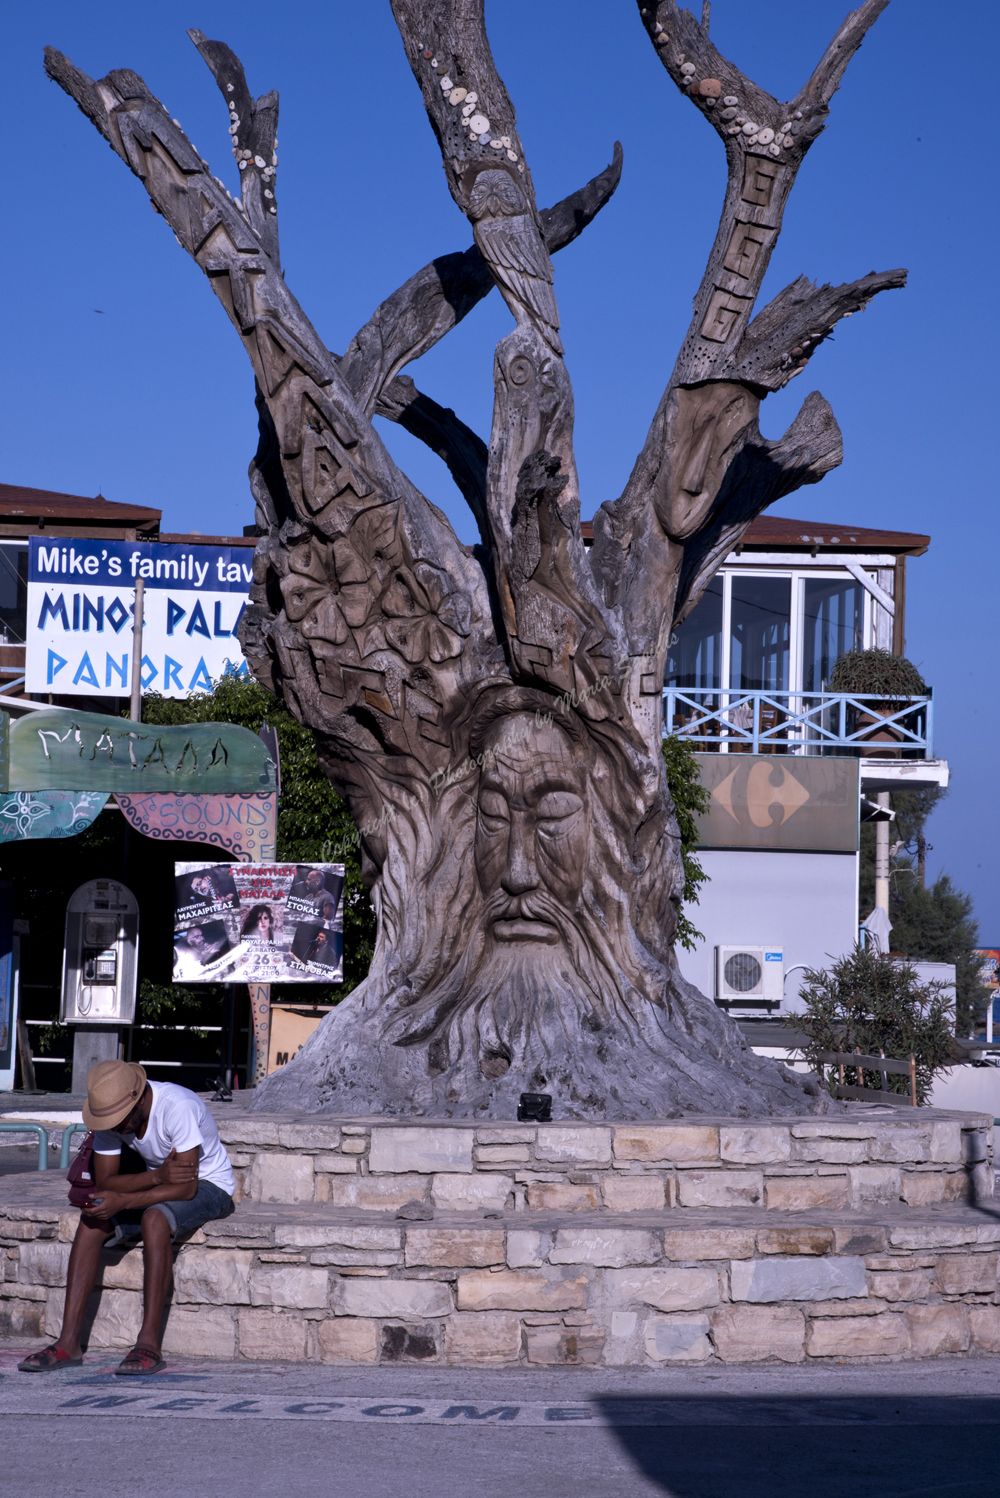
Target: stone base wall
x: 306, y: 1286
x: 852, y: 1162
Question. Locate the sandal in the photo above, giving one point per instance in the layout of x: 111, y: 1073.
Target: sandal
x: 139, y: 1361
x: 47, y: 1359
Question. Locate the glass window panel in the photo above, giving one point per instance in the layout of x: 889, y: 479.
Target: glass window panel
x: 695, y: 655
x: 13, y: 592
x: 834, y: 622
x: 759, y: 633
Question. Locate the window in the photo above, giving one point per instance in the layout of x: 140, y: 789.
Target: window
x: 759, y: 633
x: 694, y: 658
x: 13, y: 592
x: 834, y: 618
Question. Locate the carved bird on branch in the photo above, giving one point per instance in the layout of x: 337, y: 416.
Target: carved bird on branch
x: 510, y: 241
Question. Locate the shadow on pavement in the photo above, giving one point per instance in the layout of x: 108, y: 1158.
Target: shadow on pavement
x: 824, y: 1447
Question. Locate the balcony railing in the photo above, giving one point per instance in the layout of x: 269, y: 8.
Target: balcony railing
x: 724, y: 721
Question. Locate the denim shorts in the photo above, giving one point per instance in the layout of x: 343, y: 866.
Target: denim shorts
x: 208, y: 1203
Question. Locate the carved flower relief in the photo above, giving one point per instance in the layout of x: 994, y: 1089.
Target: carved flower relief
x: 425, y: 620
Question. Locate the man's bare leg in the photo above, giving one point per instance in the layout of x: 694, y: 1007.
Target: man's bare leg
x: 84, y: 1258
x: 157, y: 1276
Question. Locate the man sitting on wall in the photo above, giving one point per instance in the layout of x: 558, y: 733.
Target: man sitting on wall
x: 188, y: 1180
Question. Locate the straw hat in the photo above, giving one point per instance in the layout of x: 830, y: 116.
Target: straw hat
x: 113, y: 1089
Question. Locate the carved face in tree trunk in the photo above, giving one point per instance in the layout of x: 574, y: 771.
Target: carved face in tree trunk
x: 532, y: 828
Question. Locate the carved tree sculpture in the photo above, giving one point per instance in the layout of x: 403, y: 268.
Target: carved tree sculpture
x: 492, y: 713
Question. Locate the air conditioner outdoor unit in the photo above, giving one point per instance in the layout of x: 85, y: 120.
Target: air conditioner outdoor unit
x: 749, y: 978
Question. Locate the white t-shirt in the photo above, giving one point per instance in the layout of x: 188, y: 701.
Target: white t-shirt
x: 177, y: 1120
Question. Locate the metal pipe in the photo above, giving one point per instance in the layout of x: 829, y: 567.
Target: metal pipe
x: 135, y: 704
x: 67, y: 1135
x: 33, y: 1128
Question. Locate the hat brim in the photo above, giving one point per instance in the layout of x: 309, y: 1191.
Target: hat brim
x: 95, y: 1123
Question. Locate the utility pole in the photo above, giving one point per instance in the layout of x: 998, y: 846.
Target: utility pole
x: 882, y: 856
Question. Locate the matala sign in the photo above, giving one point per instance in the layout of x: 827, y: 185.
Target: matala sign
x: 81, y: 596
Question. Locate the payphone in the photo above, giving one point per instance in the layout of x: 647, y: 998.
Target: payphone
x: 100, y: 958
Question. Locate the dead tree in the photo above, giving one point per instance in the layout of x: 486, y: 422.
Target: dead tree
x: 492, y: 713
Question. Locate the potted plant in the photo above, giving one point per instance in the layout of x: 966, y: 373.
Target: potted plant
x: 878, y: 674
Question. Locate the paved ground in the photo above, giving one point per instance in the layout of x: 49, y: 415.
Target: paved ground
x: 214, y: 1430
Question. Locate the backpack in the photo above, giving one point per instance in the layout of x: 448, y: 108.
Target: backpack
x: 81, y: 1173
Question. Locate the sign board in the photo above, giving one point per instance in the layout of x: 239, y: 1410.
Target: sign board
x: 989, y: 968
x: 35, y: 814
x: 809, y: 804
x: 100, y: 955
x: 58, y: 749
x: 258, y: 923
x: 291, y: 1027
x: 242, y: 823
x: 81, y: 597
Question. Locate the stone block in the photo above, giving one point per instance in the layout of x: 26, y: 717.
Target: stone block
x: 509, y: 1290
x: 946, y: 1142
x: 507, y: 1134
x: 900, y: 1146
x: 68, y: 1224
x: 348, y: 1339
x: 677, y: 1339
x: 376, y: 1193
x: 208, y: 1332
x: 568, y: 1345
x: 473, y: 1193
x: 524, y: 1250
x: 554, y: 1197
x: 763, y: 1280
x: 847, y: 1308
x: 308, y: 1136
x: 873, y: 1185
x: 248, y: 1130
x: 937, y: 1329
x: 290, y: 1285
x: 307, y: 1235
x: 344, y: 1257
x: 623, y: 1323
x: 424, y: 1150
x: 482, y: 1337
x: 721, y: 1188
x: 806, y: 1193
x: 502, y: 1154
x: 666, y: 1142
x: 213, y: 1276
x: 354, y: 1146
x: 22, y: 1318
x: 984, y: 1325
x: 666, y: 1289
x: 922, y: 1188
x: 336, y: 1165
x: 459, y: 1248
x: 752, y: 1334
x: 270, y: 1335
x: 859, y: 1240
x: 280, y: 1178
x: 404, y: 1300
x: 708, y: 1243
x: 931, y: 1235
x: 857, y: 1337
x: 795, y: 1241
x: 626, y: 1193
x: 117, y: 1316
x: 833, y: 1130
x: 755, y: 1144
x: 966, y: 1274
x: 611, y: 1247
x: 573, y: 1145
x: 831, y: 1151
x: 913, y: 1284
x: 43, y: 1263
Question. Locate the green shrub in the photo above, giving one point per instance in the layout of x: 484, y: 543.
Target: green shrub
x: 691, y: 800
x: 876, y: 671
x: 870, y: 1002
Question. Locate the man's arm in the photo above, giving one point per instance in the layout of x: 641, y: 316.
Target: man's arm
x: 176, y: 1180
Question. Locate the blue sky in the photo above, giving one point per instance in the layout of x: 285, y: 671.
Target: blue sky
x: 149, y: 399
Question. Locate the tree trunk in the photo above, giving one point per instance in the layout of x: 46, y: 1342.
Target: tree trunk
x: 492, y: 714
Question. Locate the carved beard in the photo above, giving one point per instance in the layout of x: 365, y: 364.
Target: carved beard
x: 504, y: 997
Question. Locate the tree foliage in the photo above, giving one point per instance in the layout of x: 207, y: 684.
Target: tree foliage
x: 871, y: 1002
x: 691, y: 800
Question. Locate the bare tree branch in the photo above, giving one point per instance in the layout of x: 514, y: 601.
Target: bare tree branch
x: 254, y: 128
x: 439, y: 296
x: 832, y: 65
